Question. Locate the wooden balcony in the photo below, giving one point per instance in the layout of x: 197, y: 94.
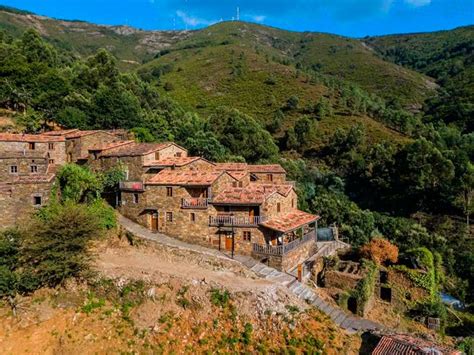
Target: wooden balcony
x: 195, y: 202
x: 280, y: 250
x: 136, y: 186
x: 237, y: 221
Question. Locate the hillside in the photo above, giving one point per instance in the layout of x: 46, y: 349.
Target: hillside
x: 130, y: 45
x: 447, y: 56
x: 338, y: 57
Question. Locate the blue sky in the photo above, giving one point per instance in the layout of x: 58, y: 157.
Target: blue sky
x: 355, y: 18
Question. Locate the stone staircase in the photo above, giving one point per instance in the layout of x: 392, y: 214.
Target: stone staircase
x: 346, y: 321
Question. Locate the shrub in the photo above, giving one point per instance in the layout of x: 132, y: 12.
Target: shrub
x: 220, y: 298
x: 56, y: 247
x: 380, y: 251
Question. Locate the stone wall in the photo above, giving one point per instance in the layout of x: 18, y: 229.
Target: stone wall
x: 291, y: 259
x: 341, y: 280
x: 78, y: 148
x: 287, y: 204
x: 17, y: 202
x: 56, y: 151
x: 264, y: 178
x: 23, y: 167
x: 167, y: 152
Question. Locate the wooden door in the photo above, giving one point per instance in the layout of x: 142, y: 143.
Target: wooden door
x: 228, y: 242
x: 154, y: 221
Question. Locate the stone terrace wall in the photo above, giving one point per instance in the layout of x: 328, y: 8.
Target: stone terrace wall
x: 16, y: 202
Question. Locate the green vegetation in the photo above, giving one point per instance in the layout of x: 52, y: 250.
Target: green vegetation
x: 54, y: 246
x: 366, y: 286
x: 372, y: 146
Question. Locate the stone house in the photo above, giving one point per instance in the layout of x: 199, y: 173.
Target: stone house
x: 78, y: 142
x: 236, y: 207
x: 53, y: 147
x: 22, y: 195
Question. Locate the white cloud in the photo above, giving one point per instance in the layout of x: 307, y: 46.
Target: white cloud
x: 418, y: 3
x: 259, y: 18
x: 193, y: 21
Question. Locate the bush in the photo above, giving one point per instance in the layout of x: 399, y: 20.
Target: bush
x: 56, y: 247
x: 380, y: 251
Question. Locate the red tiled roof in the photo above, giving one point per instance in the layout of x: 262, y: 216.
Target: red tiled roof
x: 231, y: 166
x: 174, y: 161
x: 290, y: 221
x: 401, y: 344
x: 185, y: 177
x: 238, y: 175
x: 37, y: 138
x: 266, y: 168
x: 251, y: 194
x: 79, y: 133
x: 106, y: 146
x: 61, y: 132
x: 136, y: 149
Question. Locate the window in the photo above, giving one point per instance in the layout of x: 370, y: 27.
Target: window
x: 178, y: 154
x: 37, y: 200
x: 192, y: 217
x: 247, y: 236
x: 157, y: 155
x: 51, y: 146
x: 34, y: 168
x: 241, y: 184
x: 278, y: 207
x: 169, y: 216
x: 270, y: 177
x: 51, y: 161
x: 234, y: 184
x: 13, y: 169
x: 31, y: 146
x: 169, y: 191
x: 293, y: 203
x: 126, y: 174
x: 135, y: 198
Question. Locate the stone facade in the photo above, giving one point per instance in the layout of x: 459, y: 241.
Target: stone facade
x: 19, y: 200
x: 231, y: 206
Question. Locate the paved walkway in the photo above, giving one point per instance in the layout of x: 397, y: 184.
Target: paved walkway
x: 344, y: 320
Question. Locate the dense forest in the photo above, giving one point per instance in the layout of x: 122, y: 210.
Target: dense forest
x: 364, y: 157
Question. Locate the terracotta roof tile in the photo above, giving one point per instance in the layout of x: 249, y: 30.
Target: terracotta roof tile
x: 174, y: 161
x: 407, y: 345
x: 290, y: 221
x: 238, y: 175
x: 79, y: 133
x: 107, y: 146
x: 136, y: 149
x: 36, y: 138
x: 266, y: 168
x: 61, y: 132
x: 185, y: 177
x: 231, y: 166
x: 251, y: 194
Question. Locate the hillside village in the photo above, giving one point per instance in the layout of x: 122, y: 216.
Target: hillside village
x: 237, y: 208
x: 237, y: 188
x: 248, y: 209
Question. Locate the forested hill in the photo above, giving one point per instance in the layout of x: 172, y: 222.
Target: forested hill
x: 447, y: 56
x: 130, y: 45
x: 376, y: 147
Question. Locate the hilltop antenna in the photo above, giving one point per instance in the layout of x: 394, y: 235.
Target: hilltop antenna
x: 238, y: 13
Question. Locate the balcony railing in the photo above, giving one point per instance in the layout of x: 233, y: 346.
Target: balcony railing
x: 282, y: 249
x: 227, y: 220
x: 131, y: 186
x: 195, y: 202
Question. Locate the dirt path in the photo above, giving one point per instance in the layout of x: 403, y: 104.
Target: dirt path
x: 161, y: 264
